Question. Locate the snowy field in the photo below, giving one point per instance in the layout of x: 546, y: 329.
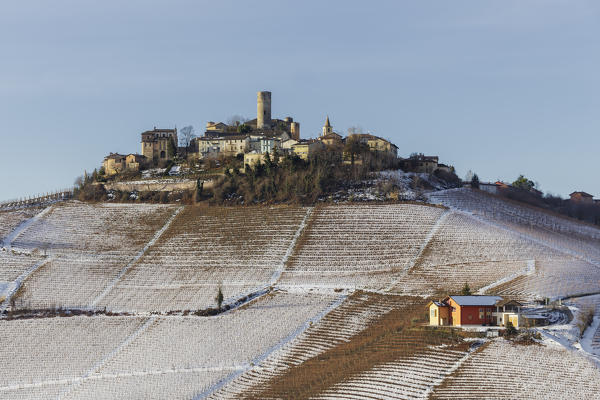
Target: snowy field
x: 306, y: 264
x: 506, y: 371
x: 359, y: 246
x: 239, y: 249
x: 102, y: 357
x: 9, y: 220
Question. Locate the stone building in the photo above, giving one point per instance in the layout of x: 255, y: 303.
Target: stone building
x: 581, y: 197
x: 329, y: 137
x: 156, y: 144
x: 115, y: 163
x: 263, y: 124
x: 375, y: 143
x: 306, y: 148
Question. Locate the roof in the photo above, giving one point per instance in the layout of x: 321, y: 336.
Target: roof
x: 331, y: 136
x: 582, y: 194
x: 114, y: 156
x: 327, y: 124
x: 505, y: 302
x: 476, y: 300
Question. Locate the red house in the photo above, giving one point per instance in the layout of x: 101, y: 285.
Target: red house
x: 464, y: 310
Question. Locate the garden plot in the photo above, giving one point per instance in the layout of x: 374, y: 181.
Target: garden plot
x: 9, y: 220
x: 555, y: 278
x: 411, y: 378
x: 359, y: 246
x: 464, y: 249
x: 505, y: 371
x: 229, y: 341
x: 39, y: 352
x: 238, y: 248
x: 74, y: 228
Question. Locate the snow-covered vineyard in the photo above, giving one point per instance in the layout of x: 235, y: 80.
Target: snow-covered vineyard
x: 110, y: 301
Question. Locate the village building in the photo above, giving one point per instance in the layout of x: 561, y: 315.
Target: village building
x: 263, y: 124
x: 329, y: 137
x: 115, y: 163
x: 474, y: 310
x: 375, y: 143
x: 581, y: 197
x: 421, y: 163
x: 492, y: 187
x: 306, y: 148
x: 157, y: 144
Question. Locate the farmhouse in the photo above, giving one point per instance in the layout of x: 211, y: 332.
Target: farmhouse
x: 474, y: 310
x: 115, y: 163
x: 582, y: 197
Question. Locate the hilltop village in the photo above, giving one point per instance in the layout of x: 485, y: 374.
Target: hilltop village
x: 253, y: 141
x: 267, y: 160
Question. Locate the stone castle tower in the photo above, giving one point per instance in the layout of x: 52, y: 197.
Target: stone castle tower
x: 263, y: 110
x: 327, y: 128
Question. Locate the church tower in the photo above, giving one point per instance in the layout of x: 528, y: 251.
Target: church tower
x: 327, y: 129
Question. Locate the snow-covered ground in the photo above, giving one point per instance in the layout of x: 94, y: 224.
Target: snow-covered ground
x: 152, y: 259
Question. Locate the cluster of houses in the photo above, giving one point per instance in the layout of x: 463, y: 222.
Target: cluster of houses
x: 575, y: 197
x: 254, y: 139
x: 475, y: 310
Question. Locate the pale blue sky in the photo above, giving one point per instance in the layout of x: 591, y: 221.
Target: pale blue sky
x: 499, y: 87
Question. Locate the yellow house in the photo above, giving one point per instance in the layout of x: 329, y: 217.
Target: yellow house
x: 253, y: 158
x: 306, y: 148
x: 439, y: 314
x: 114, y: 163
x: 134, y: 161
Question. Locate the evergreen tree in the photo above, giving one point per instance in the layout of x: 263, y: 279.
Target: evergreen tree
x: 475, y: 182
x: 466, y: 290
x: 219, y: 298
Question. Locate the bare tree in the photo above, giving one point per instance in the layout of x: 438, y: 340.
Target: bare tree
x: 186, y: 137
x: 236, y: 120
x: 355, y: 129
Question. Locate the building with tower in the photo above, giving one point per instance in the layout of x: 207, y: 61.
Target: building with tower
x: 329, y: 137
x: 159, y: 145
x: 263, y: 124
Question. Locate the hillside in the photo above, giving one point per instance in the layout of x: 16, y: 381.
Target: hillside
x: 118, y: 300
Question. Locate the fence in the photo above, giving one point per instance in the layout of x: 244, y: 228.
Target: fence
x: 42, y: 199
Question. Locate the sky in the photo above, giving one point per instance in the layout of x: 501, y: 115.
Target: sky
x: 501, y: 88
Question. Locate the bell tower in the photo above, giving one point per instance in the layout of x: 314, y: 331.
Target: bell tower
x: 327, y: 129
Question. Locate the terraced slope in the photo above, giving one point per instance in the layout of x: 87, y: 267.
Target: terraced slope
x: 240, y: 249
x: 569, y: 262
x: 88, y: 245
x: 359, y: 246
x: 9, y: 220
x: 505, y: 371
x: 135, y: 357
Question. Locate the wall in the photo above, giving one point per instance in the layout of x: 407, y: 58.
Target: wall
x: 156, y: 185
